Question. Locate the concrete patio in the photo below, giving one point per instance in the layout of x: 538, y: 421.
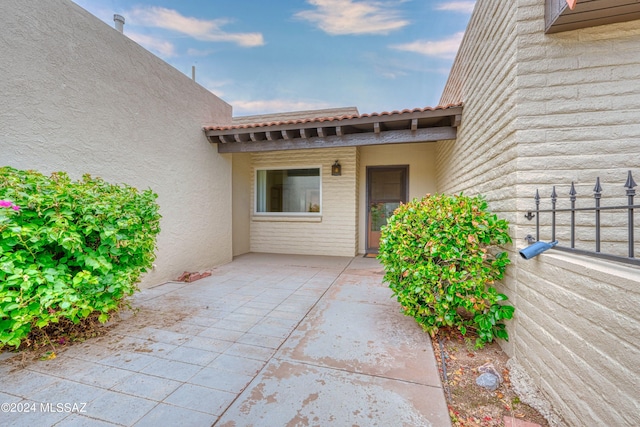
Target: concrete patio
x: 267, y: 340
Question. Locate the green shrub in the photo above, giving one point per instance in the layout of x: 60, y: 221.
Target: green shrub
x: 440, y: 261
x: 69, y: 248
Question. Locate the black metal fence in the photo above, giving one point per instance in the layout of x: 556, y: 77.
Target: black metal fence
x: 598, y: 211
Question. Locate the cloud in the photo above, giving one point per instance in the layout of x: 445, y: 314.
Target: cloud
x: 199, y: 29
x: 275, y: 106
x: 394, y: 69
x: 446, y: 48
x: 457, y: 6
x: 161, y: 47
x: 391, y: 74
x: 199, y: 52
x: 340, y: 17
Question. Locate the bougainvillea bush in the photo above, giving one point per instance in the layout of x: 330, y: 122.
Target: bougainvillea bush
x: 69, y: 249
x: 441, y: 259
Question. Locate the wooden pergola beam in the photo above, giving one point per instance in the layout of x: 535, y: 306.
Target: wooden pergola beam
x: 351, y: 140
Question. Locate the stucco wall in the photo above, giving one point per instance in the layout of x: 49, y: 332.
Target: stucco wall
x: 241, y: 203
x: 77, y: 96
x: 543, y: 110
x: 334, y: 233
x: 421, y: 159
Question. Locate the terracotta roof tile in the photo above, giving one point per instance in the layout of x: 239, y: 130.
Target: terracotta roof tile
x: 329, y: 119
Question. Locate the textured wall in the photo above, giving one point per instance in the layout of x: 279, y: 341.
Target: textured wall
x: 578, y: 337
x: 543, y: 110
x: 78, y: 96
x: 241, y: 203
x: 332, y: 234
x: 483, y: 159
x: 579, y: 118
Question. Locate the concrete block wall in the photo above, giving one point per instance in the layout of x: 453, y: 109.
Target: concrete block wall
x: 78, y: 96
x: 578, y: 335
x: 578, y: 103
x: 578, y: 107
x: 483, y: 159
x: 335, y: 232
x: 573, y: 114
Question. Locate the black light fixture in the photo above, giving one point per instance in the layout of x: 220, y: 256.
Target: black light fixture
x: 336, y: 169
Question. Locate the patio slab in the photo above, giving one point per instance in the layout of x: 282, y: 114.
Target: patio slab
x: 290, y: 393
x: 365, y: 339
x: 267, y: 340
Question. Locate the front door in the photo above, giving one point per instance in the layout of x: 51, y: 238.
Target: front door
x: 386, y: 189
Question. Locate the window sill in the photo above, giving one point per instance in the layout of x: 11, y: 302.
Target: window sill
x: 286, y: 218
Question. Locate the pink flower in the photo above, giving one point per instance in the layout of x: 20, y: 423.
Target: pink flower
x: 8, y: 204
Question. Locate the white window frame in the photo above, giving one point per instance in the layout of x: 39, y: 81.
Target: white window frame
x: 285, y: 214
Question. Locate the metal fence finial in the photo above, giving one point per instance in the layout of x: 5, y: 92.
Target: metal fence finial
x: 597, y: 189
x: 573, y: 192
x: 630, y: 207
x: 630, y: 184
x: 597, y: 194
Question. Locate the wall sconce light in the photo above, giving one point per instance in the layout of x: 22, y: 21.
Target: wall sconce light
x: 536, y: 249
x: 336, y: 169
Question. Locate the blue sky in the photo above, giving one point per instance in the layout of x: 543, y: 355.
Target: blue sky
x: 265, y: 56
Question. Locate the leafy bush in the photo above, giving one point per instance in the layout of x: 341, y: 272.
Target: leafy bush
x: 439, y: 261
x: 69, y: 248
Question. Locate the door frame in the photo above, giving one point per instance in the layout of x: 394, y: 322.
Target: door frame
x: 369, y: 171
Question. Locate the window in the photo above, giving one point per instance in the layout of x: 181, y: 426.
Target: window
x: 295, y: 191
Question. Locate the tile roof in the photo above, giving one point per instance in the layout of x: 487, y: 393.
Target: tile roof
x: 317, y: 129
x: 294, y: 115
x: 329, y: 119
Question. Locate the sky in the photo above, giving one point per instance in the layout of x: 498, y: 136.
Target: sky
x: 271, y: 56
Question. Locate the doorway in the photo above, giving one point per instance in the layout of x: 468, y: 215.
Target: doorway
x: 387, y: 187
